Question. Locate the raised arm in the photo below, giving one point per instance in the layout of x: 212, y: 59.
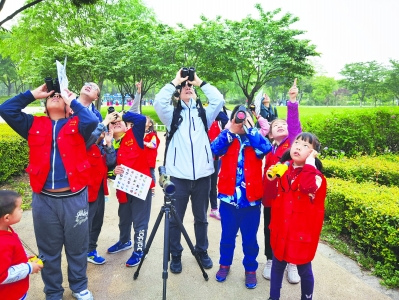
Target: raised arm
x: 11, y: 110
x: 294, y: 125
x: 137, y: 99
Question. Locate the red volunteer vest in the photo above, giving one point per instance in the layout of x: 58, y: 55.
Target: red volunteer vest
x: 296, y: 221
x: 72, y: 150
x: 214, y: 131
x: 132, y: 156
x: 270, y: 187
x: 98, y: 172
x: 151, y: 153
x: 252, y: 172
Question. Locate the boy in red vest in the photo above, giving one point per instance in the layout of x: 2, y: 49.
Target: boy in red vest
x: 59, y: 173
x: 241, y: 148
x: 130, y: 152
x: 101, y: 155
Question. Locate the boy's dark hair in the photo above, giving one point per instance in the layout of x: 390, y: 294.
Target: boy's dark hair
x: 8, y: 202
x: 311, y: 139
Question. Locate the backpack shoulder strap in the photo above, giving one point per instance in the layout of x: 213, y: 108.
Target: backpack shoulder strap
x: 176, y: 121
x: 202, y: 114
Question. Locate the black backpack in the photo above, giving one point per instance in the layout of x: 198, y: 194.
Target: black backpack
x: 177, y: 119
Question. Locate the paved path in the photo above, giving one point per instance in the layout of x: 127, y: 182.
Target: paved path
x: 336, y: 276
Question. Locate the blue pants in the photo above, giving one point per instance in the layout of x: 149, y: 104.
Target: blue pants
x: 247, y: 220
x: 198, y: 190
x: 57, y: 223
x: 138, y: 212
x: 277, y: 274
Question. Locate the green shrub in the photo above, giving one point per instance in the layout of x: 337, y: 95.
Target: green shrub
x: 369, y: 215
x: 365, y: 131
x: 14, y: 153
x: 378, y: 169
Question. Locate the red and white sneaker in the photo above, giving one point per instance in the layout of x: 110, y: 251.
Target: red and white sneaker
x: 215, y: 214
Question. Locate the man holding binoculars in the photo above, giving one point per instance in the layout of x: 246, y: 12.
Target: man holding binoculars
x: 189, y: 160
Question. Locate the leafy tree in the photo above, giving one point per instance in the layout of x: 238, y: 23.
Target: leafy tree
x: 8, y: 73
x: 392, y: 78
x: 362, y: 78
x: 265, y: 48
x: 77, y: 3
x: 323, y: 88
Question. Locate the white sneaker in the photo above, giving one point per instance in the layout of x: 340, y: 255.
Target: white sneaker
x: 83, y: 295
x: 268, y: 269
x: 292, y: 274
x: 215, y: 214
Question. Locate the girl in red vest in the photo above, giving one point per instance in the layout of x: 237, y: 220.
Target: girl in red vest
x: 297, y: 214
x: 282, y: 132
x: 151, y: 144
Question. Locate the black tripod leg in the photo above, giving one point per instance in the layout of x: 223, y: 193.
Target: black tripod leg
x: 150, y: 239
x: 189, y: 243
x: 165, y: 251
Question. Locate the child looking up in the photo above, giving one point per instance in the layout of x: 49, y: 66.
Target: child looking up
x: 14, y: 267
x: 282, y: 132
x: 297, y: 214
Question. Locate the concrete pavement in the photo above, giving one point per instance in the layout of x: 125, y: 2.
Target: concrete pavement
x: 336, y: 277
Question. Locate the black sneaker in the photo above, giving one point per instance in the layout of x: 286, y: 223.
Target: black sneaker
x: 175, y: 264
x: 206, y: 261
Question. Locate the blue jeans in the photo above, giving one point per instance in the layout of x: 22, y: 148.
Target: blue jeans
x: 247, y: 220
x: 198, y: 191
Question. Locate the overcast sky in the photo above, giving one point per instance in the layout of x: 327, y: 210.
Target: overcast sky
x: 344, y: 31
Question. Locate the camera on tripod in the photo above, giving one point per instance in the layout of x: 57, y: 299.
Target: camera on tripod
x: 168, y: 186
x: 52, y: 85
x: 190, y: 72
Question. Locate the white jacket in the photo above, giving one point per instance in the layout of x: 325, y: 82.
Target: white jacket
x: 189, y: 154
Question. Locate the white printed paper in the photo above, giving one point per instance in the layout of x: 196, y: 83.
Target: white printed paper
x: 133, y: 182
x: 62, y: 77
x: 258, y: 102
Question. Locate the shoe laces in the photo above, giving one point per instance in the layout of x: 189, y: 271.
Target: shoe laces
x: 292, y: 268
x: 223, y: 271
x: 250, y: 278
x: 269, y: 263
x: 204, y: 254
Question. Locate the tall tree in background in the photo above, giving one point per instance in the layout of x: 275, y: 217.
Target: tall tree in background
x: 77, y: 3
x: 392, y: 79
x: 362, y: 78
x: 8, y: 73
x: 266, y: 48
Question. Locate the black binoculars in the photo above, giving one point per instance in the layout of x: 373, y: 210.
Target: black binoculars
x: 52, y: 86
x: 190, y: 72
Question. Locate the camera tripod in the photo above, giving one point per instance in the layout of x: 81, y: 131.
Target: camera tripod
x: 169, y: 210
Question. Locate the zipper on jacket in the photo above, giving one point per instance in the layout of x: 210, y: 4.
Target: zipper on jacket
x: 174, y: 159
x: 54, y: 145
x: 191, y: 142
x: 193, y: 122
x: 207, y: 156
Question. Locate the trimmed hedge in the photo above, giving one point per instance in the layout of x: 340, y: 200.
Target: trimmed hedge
x: 369, y: 215
x: 378, y: 169
x: 367, y: 131
x: 14, y: 153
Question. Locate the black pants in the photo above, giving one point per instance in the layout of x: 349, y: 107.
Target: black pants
x: 96, y: 218
x: 213, y: 193
x: 198, y: 191
x: 266, y: 230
